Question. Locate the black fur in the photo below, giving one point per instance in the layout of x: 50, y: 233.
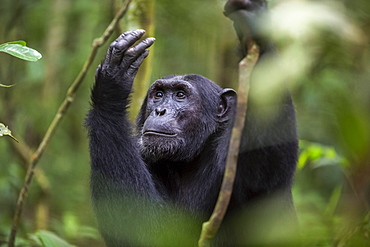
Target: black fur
x: 156, y: 187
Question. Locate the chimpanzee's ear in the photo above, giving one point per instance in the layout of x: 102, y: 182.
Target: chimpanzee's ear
x: 227, y: 105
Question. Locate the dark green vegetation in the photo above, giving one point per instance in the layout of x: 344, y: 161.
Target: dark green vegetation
x: 327, y: 65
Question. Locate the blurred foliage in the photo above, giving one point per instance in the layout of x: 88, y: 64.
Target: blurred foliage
x: 49, y: 239
x: 324, y: 46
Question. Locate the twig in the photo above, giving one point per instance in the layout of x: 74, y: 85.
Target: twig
x: 57, y: 119
x: 25, y: 152
x: 210, y: 228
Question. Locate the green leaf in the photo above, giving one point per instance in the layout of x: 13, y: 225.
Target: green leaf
x: 20, y: 50
x: 19, y: 42
x: 49, y: 239
x: 320, y: 154
x: 4, y: 131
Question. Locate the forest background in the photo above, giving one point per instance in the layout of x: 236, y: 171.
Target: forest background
x: 325, y: 45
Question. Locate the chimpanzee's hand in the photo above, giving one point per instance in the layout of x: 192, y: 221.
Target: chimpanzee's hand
x: 246, y: 15
x: 123, y: 60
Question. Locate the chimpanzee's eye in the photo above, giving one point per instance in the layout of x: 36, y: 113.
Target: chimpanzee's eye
x: 159, y: 94
x: 180, y: 95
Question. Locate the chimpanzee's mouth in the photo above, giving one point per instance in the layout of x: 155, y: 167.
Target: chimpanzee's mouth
x: 159, y: 133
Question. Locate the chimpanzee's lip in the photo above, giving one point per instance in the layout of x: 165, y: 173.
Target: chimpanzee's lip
x: 159, y: 133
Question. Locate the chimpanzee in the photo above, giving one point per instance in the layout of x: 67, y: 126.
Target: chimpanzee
x: 156, y: 185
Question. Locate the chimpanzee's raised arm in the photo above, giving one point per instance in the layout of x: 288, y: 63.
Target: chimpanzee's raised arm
x: 107, y: 122
x: 120, y: 181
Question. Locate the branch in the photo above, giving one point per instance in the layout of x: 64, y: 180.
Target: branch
x: 57, y: 119
x: 210, y: 228
x: 25, y: 152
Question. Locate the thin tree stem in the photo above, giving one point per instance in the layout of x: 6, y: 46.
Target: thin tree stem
x: 57, y: 119
x: 210, y: 228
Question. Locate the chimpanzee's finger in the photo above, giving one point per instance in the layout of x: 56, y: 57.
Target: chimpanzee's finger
x: 134, y: 52
x: 123, y: 42
x: 130, y: 32
x: 133, y: 68
x: 113, y: 44
x: 97, y: 71
x: 109, y: 53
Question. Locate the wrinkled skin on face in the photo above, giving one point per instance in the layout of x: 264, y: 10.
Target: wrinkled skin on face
x: 172, y: 125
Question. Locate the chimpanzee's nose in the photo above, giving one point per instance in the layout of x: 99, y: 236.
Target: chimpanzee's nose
x: 160, y: 112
